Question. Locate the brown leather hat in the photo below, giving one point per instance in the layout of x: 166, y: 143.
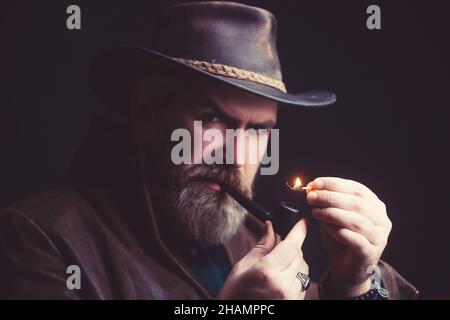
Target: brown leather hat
x: 230, y: 42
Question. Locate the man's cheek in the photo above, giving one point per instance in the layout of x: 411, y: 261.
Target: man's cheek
x: 250, y: 175
x: 261, y: 149
x: 212, y: 147
x: 270, y: 162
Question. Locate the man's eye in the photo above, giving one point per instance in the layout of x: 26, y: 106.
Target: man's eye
x: 209, y: 118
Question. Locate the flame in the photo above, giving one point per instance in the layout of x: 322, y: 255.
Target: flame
x: 297, y: 184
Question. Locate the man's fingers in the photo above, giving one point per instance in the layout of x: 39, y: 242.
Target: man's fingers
x: 297, y: 235
x: 266, y: 243
x: 324, y: 198
x: 345, y: 186
x: 295, y: 286
x: 264, y: 246
x: 353, y: 240
x: 350, y: 220
x: 291, y: 246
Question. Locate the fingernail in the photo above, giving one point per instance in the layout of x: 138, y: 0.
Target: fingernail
x: 312, y: 195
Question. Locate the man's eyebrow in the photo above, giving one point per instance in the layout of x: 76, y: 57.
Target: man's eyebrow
x: 269, y: 124
x: 232, y: 120
x: 220, y: 112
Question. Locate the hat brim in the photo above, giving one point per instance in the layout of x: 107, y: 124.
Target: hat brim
x: 113, y: 71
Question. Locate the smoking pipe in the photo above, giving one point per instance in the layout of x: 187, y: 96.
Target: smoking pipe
x: 285, y: 216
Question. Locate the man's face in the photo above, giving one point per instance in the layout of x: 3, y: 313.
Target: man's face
x: 200, y: 209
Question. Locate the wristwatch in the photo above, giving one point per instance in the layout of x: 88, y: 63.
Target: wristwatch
x: 376, y: 291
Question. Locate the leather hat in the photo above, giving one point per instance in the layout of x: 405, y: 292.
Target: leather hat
x: 230, y: 42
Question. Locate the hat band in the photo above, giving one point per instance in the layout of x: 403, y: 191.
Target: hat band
x: 233, y: 72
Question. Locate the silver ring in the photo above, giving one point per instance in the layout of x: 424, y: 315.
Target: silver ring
x: 304, y: 279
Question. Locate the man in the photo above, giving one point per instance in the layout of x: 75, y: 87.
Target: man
x: 135, y: 225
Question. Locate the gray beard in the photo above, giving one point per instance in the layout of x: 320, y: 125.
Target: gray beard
x: 191, y: 209
x: 200, y: 213
x: 206, y: 216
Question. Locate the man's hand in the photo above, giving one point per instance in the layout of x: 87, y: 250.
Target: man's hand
x: 355, y: 229
x: 269, y: 271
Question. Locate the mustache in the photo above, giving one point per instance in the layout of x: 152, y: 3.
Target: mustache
x: 218, y: 173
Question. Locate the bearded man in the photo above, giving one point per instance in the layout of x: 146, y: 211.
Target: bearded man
x: 134, y: 225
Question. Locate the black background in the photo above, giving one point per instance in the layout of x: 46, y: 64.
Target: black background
x: 389, y: 129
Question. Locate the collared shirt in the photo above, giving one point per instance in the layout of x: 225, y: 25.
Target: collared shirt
x: 209, y: 265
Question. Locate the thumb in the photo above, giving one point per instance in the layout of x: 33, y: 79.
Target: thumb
x: 267, y: 241
x: 264, y: 246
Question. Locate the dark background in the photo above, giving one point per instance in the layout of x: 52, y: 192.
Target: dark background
x: 389, y: 129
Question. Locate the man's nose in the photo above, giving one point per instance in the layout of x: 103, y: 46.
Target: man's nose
x: 235, y: 146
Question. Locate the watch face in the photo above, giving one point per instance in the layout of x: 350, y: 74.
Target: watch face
x: 383, y: 292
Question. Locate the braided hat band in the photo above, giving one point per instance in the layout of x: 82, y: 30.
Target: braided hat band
x: 233, y: 72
